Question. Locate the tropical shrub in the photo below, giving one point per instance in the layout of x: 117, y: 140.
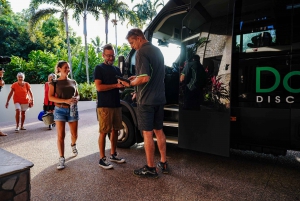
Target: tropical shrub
x: 41, y: 63
x: 87, y: 92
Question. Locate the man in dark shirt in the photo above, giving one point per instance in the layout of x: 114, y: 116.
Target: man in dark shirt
x: 194, y: 78
x: 108, y: 105
x: 150, y: 96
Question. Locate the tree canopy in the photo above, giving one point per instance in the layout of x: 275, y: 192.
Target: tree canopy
x: 36, y: 39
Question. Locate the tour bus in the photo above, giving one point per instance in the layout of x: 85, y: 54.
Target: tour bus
x: 250, y: 51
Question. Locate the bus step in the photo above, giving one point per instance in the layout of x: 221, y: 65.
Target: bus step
x: 171, y: 123
x: 174, y: 108
x: 170, y: 139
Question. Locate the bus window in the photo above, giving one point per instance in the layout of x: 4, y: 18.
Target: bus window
x: 131, y: 69
x: 262, y: 26
x: 296, y: 26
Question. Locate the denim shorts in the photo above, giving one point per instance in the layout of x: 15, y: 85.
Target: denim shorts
x: 63, y: 114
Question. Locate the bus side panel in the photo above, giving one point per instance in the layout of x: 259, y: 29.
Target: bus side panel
x: 204, y: 131
x: 295, y: 129
x: 261, y: 127
x: 262, y: 104
x: 295, y: 108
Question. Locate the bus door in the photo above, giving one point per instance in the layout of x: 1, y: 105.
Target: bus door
x: 204, y: 103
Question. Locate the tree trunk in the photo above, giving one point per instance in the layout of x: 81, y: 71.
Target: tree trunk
x: 86, y: 47
x: 116, y: 34
x: 68, y: 42
x: 106, y: 28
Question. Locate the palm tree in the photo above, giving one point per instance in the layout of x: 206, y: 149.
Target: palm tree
x: 84, y: 7
x: 112, y: 6
x: 59, y: 6
x: 5, y: 7
x: 133, y: 19
x: 97, y: 43
x: 115, y: 23
x: 147, y: 10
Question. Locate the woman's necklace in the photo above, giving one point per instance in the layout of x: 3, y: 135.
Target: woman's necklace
x: 21, y: 85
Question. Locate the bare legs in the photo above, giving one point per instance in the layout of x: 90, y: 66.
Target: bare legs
x: 113, y: 141
x: 150, y: 147
x: 60, y: 127
x: 161, y: 143
x: 22, y: 118
x: 101, y: 143
x: 74, y: 131
x: 17, y: 117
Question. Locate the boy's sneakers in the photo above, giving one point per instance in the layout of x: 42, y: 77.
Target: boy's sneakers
x: 164, y: 167
x: 104, y: 164
x: 61, y: 163
x: 74, y: 150
x: 114, y: 158
x: 146, y: 172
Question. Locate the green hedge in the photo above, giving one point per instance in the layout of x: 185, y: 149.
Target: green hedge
x: 87, y: 91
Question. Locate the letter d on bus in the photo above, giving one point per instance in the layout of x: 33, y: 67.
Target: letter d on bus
x: 259, y: 99
x: 277, y: 79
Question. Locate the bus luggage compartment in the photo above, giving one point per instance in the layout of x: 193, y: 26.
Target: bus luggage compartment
x: 265, y: 130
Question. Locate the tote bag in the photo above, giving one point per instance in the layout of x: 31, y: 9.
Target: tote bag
x: 48, y: 118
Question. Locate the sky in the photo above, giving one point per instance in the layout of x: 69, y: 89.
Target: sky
x: 94, y: 28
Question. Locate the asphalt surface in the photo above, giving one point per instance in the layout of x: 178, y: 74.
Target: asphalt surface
x: 244, y: 175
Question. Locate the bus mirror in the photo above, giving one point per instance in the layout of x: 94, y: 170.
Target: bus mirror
x: 121, y: 63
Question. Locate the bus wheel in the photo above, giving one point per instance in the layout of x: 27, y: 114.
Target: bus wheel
x: 126, y: 135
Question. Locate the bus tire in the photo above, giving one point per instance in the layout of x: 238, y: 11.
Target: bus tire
x: 126, y: 136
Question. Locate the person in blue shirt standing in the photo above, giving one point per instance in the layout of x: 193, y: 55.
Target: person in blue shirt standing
x: 109, y: 109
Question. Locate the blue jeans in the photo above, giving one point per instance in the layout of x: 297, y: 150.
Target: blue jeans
x: 63, y: 114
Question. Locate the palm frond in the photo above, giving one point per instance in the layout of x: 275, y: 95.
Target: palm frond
x: 41, y: 15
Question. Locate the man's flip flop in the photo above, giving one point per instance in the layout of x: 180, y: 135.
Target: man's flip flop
x: 22, y: 128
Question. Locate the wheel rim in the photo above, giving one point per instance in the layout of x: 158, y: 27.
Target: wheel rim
x: 123, y: 133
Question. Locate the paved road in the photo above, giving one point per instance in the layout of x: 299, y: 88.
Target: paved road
x: 194, y: 175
